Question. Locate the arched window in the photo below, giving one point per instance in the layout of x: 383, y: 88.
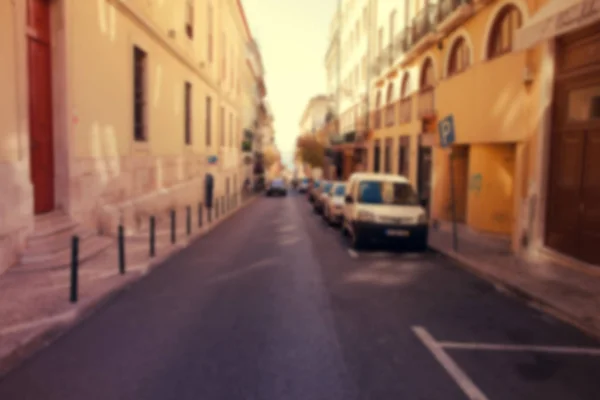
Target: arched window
x: 503, y: 30
x: 460, y: 57
x: 388, y: 97
x: 427, y: 75
x: 405, y: 86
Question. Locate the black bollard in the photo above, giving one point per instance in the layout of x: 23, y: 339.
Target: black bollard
x: 188, y: 217
x: 173, y: 227
x: 200, y: 215
x: 74, y: 268
x: 121, y: 239
x: 152, y: 236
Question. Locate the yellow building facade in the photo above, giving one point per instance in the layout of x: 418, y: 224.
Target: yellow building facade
x: 116, y: 109
x: 462, y: 59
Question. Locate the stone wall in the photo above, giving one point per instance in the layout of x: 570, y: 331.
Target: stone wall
x: 16, y: 211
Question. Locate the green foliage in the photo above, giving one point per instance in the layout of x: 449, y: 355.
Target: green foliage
x: 310, y: 150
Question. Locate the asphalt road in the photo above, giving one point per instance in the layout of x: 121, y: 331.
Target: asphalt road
x: 271, y: 305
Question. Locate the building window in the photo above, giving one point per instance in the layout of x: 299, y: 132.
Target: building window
x: 210, y: 38
x: 387, y: 160
x: 139, y: 94
x: 189, y: 18
x: 208, y: 121
x: 222, y: 127
x: 376, y: 156
x: 405, y: 87
x: 503, y: 31
x: 404, y: 156
x: 188, y: 113
x: 427, y: 75
x: 460, y: 57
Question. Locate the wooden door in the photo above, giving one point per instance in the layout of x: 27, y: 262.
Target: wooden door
x: 424, y: 175
x: 40, y: 104
x: 589, y: 236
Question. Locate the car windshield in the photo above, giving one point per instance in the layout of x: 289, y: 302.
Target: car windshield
x: 339, y: 190
x: 277, y: 183
x: 395, y: 193
x: 317, y: 184
x: 305, y: 180
x: 327, y: 187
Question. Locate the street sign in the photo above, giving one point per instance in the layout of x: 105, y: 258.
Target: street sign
x: 446, y: 129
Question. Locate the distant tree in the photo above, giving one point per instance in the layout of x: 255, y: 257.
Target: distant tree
x: 310, y: 150
x: 271, y: 156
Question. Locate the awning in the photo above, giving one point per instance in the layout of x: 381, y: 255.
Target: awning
x: 557, y: 18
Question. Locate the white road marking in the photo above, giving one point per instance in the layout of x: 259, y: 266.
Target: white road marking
x: 352, y: 253
x: 459, y: 376
x: 589, y: 351
x: 66, y: 316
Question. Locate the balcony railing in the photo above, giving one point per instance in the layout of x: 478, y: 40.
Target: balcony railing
x: 402, y: 42
x: 390, y: 114
x: 447, y: 7
x: 377, y: 119
x: 424, y: 22
x: 426, y: 102
x: 405, y: 110
x: 387, y: 55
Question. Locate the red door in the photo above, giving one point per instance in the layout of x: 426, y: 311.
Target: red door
x: 40, y: 104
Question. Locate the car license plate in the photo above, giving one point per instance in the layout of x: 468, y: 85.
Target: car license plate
x: 397, y: 232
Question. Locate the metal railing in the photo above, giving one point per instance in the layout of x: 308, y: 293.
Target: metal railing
x: 447, y: 7
x: 390, y: 114
x: 405, y: 110
x: 426, y: 102
x: 424, y: 22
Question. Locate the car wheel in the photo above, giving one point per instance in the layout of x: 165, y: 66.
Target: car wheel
x: 421, y: 246
x: 357, y: 241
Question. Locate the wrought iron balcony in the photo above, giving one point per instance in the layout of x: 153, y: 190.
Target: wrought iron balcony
x: 452, y: 13
x: 387, y: 56
x: 405, y: 110
x: 402, y: 42
x: 377, y: 119
x: 390, y: 114
x: 424, y: 23
x: 426, y: 102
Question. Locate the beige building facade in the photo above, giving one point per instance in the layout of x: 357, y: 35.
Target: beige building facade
x: 113, y: 110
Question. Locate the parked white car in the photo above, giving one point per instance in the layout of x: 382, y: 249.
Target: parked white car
x: 384, y: 208
x: 320, y: 194
x: 333, y: 208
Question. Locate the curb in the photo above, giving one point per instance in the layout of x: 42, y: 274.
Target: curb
x: 47, y: 336
x: 531, y: 299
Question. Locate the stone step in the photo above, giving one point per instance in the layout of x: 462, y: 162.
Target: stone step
x: 51, y: 244
x: 51, y: 226
x: 88, y: 248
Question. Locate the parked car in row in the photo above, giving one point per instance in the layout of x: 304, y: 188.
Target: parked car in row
x: 277, y: 187
x: 333, y: 207
x: 312, y: 190
x: 321, y: 196
x: 303, y: 185
x: 373, y: 208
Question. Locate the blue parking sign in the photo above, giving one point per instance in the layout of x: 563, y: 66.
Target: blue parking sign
x: 446, y: 129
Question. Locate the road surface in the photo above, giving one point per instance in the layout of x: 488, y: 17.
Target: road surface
x: 273, y: 306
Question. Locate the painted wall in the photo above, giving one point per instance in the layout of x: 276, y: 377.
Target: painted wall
x: 9, y: 107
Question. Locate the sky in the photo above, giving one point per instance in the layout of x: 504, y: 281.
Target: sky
x: 293, y: 38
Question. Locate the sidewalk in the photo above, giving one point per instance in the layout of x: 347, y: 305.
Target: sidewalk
x: 566, y: 293
x: 35, y: 307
